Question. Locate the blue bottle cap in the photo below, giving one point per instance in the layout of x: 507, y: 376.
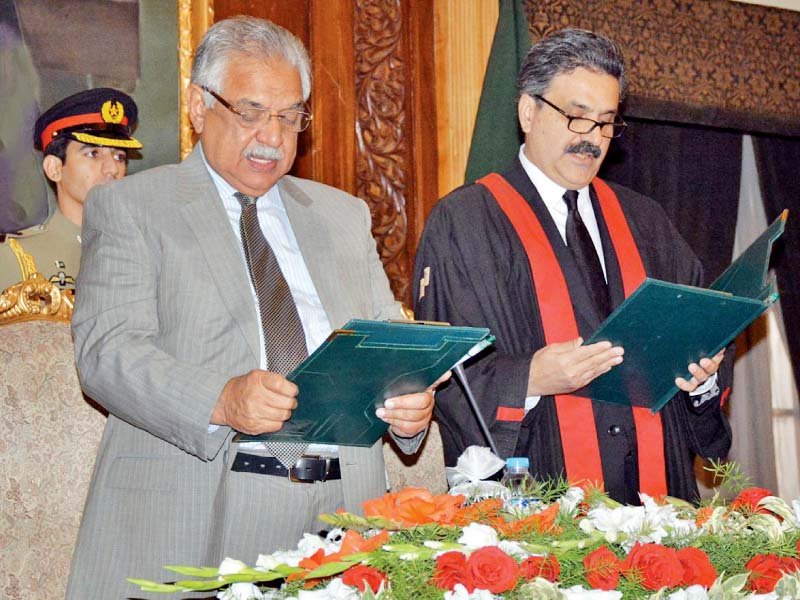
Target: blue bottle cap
x: 517, y: 462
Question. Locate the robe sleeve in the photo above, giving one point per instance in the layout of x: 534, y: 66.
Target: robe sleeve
x: 453, y: 282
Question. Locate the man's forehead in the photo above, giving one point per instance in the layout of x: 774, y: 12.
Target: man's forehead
x: 584, y: 88
x: 244, y: 68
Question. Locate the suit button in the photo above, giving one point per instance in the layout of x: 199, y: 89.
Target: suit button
x: 614, y: 430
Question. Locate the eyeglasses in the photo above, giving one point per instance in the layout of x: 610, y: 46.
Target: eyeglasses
x: 291, y: 119
x: 608, y: 129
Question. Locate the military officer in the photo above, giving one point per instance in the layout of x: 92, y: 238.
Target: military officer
x: 85, y: 140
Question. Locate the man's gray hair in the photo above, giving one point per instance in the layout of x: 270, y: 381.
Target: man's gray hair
x: 565, y: 51
x: 252, y: 37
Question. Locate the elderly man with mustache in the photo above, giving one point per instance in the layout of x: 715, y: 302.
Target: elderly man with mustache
x: 539, y: 255
x: 202, y: 285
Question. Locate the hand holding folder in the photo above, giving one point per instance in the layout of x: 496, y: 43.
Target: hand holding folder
x: 664, y: 327
x: 360, y: 366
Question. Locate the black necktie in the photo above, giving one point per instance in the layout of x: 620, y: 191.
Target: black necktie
x: 580, y: 244
x: 284, y: 340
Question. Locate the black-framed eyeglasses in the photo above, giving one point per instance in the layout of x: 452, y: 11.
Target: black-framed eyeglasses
x: 291, y: 119
x: 608, y: 129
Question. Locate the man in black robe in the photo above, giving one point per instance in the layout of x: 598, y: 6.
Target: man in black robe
x: 505, y: 253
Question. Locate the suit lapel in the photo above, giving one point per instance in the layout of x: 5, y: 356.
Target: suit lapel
x: 313, y: 238
x: 202, y: 209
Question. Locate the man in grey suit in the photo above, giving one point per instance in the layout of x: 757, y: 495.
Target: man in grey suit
x: 169, y: 337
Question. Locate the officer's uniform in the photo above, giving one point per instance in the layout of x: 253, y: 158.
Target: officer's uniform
x: 100, y: 117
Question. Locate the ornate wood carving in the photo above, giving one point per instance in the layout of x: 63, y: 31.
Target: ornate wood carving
x: 382, y: 165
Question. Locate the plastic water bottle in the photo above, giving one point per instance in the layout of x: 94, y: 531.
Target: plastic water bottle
x: 520, y: 486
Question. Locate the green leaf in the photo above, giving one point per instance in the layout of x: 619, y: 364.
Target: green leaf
x: 193, y: 571
x: 332, y: 568
x: 788, y: 587
x: 201, y: 586
x: 351, y: 521
x: 152, y: 586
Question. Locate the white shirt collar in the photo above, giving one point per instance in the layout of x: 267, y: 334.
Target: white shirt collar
x: 552, y: 194
x: 227, y: 191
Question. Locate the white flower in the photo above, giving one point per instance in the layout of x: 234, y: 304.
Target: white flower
x: 306, y: 547
x: 577, y: 592
x: 460, y: 593
x: 311, y: 543
x: 568, y: 503
x: 335, y: 590
x: 513, y: 549
x: 476, y: 535
x: 479, y: 490
x: 474, y: 464
x: 241, y: 591
x: 614, y: 522
x: 722, y: 522
x: 766, y: 524
x: 231, y: 566
x: 777, y: 506
x: 267, y: 562
x: 694, y: 592
x: 796, y: 510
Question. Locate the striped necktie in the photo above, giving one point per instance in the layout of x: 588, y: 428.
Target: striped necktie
x: 284, y: 340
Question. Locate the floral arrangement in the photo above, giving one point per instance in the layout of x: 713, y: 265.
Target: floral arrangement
x: 575, y: 544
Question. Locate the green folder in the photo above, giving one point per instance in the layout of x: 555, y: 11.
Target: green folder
x: 665, y: 326
x: 360, y: 366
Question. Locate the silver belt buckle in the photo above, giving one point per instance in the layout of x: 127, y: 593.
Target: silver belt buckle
x: 294, y: 479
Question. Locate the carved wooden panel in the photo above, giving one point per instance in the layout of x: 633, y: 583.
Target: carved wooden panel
x: 707, y: 61
x: 381, y: 123
x: 374, y: 110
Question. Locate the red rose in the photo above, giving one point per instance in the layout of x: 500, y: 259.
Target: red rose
x: 361, y: 576
x: 790, y: 565
x: 654, y: 566
x: 765, y: 571
x: 451, y: 569
x: 492, y: 569
x: 749, y: 498
x: 540, y: 566
x: 602, y: 569
x: 697, y: 567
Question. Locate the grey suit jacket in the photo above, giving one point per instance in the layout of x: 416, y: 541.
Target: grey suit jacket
x: 164, y: 318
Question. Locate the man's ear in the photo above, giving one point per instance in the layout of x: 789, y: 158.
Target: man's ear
x: 197, y: 107
x: 525, y: 111
x: 52, y: 167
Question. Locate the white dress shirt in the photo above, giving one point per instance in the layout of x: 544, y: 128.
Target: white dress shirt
x: 278, y: 231
x: 552, y: 196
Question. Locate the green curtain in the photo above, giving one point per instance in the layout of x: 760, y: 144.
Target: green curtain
x: 496, y: 139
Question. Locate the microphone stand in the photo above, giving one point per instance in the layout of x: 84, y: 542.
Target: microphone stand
x: 462, y: 379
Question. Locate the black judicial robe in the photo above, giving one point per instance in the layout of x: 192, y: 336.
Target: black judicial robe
x: 471, y: 269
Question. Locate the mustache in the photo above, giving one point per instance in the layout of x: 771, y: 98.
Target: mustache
x: 585, y: 148
x: 262, y: 152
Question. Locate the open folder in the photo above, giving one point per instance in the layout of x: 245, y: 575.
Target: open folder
x: 359, y: 367
x: 665, y: 326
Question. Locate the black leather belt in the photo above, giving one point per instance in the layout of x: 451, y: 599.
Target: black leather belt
x: 307, y: 469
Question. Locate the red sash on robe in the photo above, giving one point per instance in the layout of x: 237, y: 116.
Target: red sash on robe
x: 575, y: 414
